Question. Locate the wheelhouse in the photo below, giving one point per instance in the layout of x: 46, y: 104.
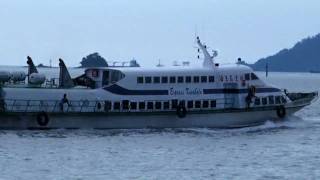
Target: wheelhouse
x: 104, y: 77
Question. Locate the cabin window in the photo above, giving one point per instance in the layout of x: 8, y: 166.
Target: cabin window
x: 254, y: 77
x: 140, y: 80
x: 247, y: 77
x: 204, y: 79
x: 236, y: 78
x: 133, y: 105
x: 116, y: 76
x: 180, y: 79
x: 283, y: 100
x: 182, y: 103
x: 156, y: 80
x: 125, y: 105
x: 226, y: 78
x: 148, y: 80
x: 231, y: 78
x: 107, y: 105
x: 271, y: 99
x: 196, y: 79
x: 150, y: 105
x: 213, y: 103
x: 172, y: 79
x: 197, y: 104
x: 257, y: 101
x: 188, y: 79
x: 190, y: 104
x: 164, y: 80
x: 264, y: 101
x: 142, y: 105
x: 278, y: 99
x: 158, y: 105
x: 205, y: 104
x: 241, y: 78
x: 116, y: 105
x: 211, y: 78
x: 166, y: 105
x: 105, y: 79
x: 174, y: 104
x: 95, y: 73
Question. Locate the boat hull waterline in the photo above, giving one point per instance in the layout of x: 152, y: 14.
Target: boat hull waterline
x: 223, y: 119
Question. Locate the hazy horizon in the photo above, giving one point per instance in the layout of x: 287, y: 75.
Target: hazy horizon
x: 151, y: 30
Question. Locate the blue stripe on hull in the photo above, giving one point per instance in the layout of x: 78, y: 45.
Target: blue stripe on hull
x: 239, y: 91
x: 116, y: 89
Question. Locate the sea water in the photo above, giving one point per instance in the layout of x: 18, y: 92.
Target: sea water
x: 275, y: 150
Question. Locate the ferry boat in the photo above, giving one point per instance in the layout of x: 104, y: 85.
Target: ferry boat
x: 212, y: 96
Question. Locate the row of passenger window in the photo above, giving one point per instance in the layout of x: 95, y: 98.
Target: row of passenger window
x: 174, y: 79
x: 270, y: 100
x: 192, y: 79
x: 158, y: 105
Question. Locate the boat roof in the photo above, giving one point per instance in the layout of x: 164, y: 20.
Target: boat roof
x: 221, y: 68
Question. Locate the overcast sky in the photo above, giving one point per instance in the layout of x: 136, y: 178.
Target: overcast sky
x: 149, y: 30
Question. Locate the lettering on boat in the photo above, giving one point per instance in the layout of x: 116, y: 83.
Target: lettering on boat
x: 186, y: 91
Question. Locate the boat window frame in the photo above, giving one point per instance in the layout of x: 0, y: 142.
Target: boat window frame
x: 125, y: 105
x: 158, y: 105
x: 254, y: 76
x: 140, y: 80
x: 182, y: 103
x: 196, y: 79
x: 283, y: 100
x: 156, y: 79
x: 197, y: 104
x: 164, y: 79
x: 211, y: 79
x: 174, y: 104
x: 188, y: 79
x: 148, y: 80
x: 277, y: 99
x: 180, y: 79
x: 105, y: 78
x: 213, y: 103
x: 166, y: 105
x: 257, y: 101
x: 271, y: 100
x: 107, y: 105
x: 190, y: 104
x: 172, y: 79
x: 142, y: 105
x: 204, y: 79
x: 116, y: 105
x: 133, y: 105
x: 264, y: 101
x: 247, y: 76
x: 150, y: 105
x: 205, y: 104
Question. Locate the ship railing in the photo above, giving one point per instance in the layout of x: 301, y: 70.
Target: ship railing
x: 82, y: 106
x: 51, y: 106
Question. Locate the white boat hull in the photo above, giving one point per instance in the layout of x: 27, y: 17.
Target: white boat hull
x: 223, y: 119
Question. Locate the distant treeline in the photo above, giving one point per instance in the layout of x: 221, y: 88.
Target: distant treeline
x: 303, y: 57
x: 93, y: 60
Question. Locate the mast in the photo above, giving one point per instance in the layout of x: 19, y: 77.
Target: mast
x: 208, y: 59
x: 267, y: 69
